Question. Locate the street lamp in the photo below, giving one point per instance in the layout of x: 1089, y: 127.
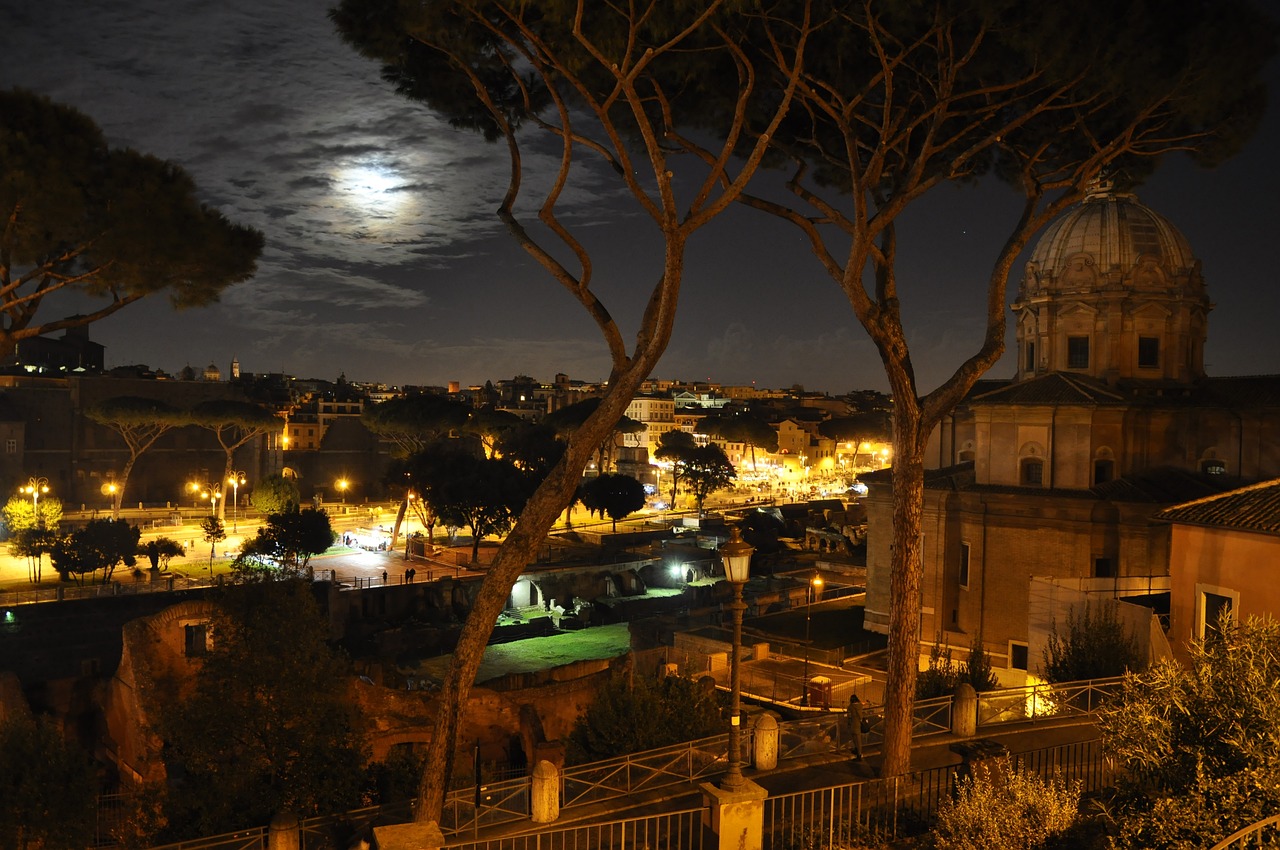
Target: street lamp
x: 342, y: 484
x: 35, y: 486
x: 235, y: 479
x: 206, y: 491
x: 813, y: 589
x: 735, y: 554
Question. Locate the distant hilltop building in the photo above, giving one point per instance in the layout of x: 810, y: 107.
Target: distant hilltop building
x: 1043, y: 488
x: 212, y: 373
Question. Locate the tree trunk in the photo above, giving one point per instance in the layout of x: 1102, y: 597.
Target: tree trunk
x: 395, y: 529
x: 904, y: 586
x: 517, y: 551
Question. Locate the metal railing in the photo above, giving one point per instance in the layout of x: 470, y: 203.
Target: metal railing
x: 880, y: 810
x: 507, y: 801
x: 681, y: 830
x: 1035, y: 702
x: 97, y: 590
x: 1261, y: 834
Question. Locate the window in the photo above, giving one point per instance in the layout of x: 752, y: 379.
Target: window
x: 1017, y: 655
x: 964, y: 564
x: 1033, y: 472
x: 1103, y: 471
x: 1148, y: 352
x: 1104, y: 568
x: 1077, y: 352
x: 10, y: 447
x: 196, y: 640
x: 1213, y: 605
x: 1031, y: 357
x: 1213, y: 466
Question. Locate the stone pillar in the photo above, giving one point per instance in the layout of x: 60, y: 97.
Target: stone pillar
x: 284, y: 832
x: 736, y: 817
x: 764, y: 743
x: 544, y: 793
x: 408, y: 836
x: 964, y: 711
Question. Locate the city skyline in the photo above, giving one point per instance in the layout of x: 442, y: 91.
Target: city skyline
x: 384, y: 260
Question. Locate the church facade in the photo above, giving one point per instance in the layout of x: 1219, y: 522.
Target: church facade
x: 1043, y: 489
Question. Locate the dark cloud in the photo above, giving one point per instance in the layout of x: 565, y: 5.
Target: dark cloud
x: 385, y: 259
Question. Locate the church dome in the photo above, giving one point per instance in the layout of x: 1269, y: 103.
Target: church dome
x: 1110, y: 237
x: 1112, y: 291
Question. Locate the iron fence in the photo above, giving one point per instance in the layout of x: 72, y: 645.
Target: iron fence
x: 1034, y: 702
x: 681, y: 830
x: 880, y: 810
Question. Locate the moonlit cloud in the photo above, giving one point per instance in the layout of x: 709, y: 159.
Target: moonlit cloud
x: 385, y: 260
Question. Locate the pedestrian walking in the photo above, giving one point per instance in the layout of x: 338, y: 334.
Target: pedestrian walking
x: 384, y: 576
x: 857, y: 725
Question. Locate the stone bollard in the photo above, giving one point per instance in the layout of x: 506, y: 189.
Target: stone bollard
x: 544, y: 793
x: 964, y: 711
x: 764, y: 743
x: 284, y: 832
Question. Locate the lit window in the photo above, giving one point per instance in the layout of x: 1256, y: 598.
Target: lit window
x: 1077, y: 352
x: 1148, y: 352
x: 1213, y: 466
x: 10, y: 447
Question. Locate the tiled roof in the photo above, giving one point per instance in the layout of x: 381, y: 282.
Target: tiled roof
x: 1053, y: 388
x: 1254, y: 508
x: 1167, y: 485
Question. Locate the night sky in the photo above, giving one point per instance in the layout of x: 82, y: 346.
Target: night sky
x: 384, y: 259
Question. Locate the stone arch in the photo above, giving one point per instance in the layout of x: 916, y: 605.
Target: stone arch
x: 525, y: 593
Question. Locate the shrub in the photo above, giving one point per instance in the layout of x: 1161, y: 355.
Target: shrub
x: 1000, y: 808
x: 632, y: 713
x: 1096, y: 646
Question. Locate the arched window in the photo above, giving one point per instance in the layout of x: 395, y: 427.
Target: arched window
x: 1213, y: 466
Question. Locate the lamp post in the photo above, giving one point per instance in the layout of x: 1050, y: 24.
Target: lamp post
x: 342, y: 484
x: 206, y: 491
x: 811, y: 590
x: 235, y: 479
x: 735, y: 553
x: 35, y: 486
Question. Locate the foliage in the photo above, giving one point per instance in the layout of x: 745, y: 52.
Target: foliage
x: 1097, y: 645
x: 534, y: 448
x: 214, y: 532
x: 632, y: 713
x: 103, y: 544
x: 464, y: 488
x: 1200, y: 743
x: 676, y: 447
x: 618, y: 496
x: 233, y: 423
x: 20, y: 513
x: 746, y: 428
x: 160, y: 551
x: 139, y: 422
x: 707, y: 470
x: 47, y: 792
x: 275, y: 494
x: 114, y: 225
x: 289, y: 540
x: 413, y: 421
x: 270, y: 722
x: 1000, y: 808
x: 34, y: 543
x: 869, y: 426
x: 943, y: 674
